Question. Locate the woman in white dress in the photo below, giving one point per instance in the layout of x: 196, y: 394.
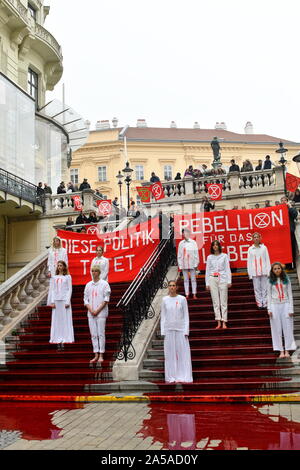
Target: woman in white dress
x: 258, y: 266
x: 56, y: 253
x: 174, y: 325
x: 217, y: 280
x: 59, y: 298
x: 102, y: 262
x: 281, y: 310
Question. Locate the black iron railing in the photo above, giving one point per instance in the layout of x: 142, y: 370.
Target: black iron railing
x: 136, y: 302
x: 20, y: 188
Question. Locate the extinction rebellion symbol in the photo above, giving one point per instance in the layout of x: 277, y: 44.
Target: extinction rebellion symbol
x: 262, y: 220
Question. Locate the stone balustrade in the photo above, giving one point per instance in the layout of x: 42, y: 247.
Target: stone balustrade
x: 21, y: 293
x: 63, y: 203
x: 234, y: 184
x: 20, y: 8
x: 47, y: 37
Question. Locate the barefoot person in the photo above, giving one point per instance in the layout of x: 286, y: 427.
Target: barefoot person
x: 102, y: 262
x: 59, y: 298
x: 188, y: 260
x: 96, y: 298
x: 281, y: 310
x: 258, y: 266
x: 174, y: 325
x: 217, y: 280
x: 56, y: 253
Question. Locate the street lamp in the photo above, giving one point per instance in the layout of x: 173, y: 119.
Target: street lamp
x: 297, y: 160
x: 127, y: 170
x: 282, y: 151
x: 120, y: 177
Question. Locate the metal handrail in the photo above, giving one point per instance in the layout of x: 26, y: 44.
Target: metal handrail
x: 21, y: 188
x: 136, y: 301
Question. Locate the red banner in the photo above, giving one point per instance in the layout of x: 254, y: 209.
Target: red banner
x: 144, y: 192
x: 292, y: 182
x: 158, y: 191
x: 104, y: 207
x: 234, y: 229
x: 127, y: 251
x: 215, y: 191
x: 77, y: 203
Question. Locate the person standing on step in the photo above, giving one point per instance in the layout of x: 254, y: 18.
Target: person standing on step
x: 281, y: 310
x: 174, y: 326
x: 188, y: 260
x: 217, y: 280
x: 102, y: 262
x: 258, y: 266
x: 59, y: 298
x: 56, y: 253
x: 96, y: 298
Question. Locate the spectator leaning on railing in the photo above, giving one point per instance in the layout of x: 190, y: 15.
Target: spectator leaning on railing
x: 233, y: 167
x: 84, y: 185
x: 47, y: 189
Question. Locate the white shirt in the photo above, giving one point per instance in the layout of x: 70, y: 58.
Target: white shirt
x: 103, y: 263
x: 280, y: 293
x: 174, y: 314
x: 258, y: 261
x: 95, y: 293
x: 188, y: 254
x: 218, y: 264
x: 60, y: 289
x: 55, y: 255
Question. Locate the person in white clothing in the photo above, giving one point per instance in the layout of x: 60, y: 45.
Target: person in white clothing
x: 96, y: 298
x: 281, y: 310
x: 102, y: 262
x: 174, y: 326
x: 188, y: 260
x: 56, y: 253
x: 217, y: 280
x: 258, y: 266
x: 59, y: 298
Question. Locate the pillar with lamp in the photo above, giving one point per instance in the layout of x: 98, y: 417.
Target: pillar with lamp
x: 120, y: 177
x: 282, y: 151
x: 128, y: 171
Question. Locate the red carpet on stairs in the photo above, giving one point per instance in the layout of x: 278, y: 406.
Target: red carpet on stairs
x: 38, y: 367
x: 238, y: 359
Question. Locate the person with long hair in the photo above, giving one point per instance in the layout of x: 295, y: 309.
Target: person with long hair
x: 59, y: 298
x: 258, y: 267
x: 188, y: 260
x: 96, y: 298
x: 56, y: 253
x: 281, y: 310
x: 174, y: 326
x: 102, y: 262
x: 218, y: 280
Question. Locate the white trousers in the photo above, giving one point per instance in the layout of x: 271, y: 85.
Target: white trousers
x: 61, y: 324
x: 97, y: 330
x: 282, y: 324
x: 260, y: 285
x: 185, y: 273
x: 178, y: 363
x: 219, y: 296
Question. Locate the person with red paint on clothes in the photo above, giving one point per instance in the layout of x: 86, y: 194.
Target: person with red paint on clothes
x: 217, y: 281
x: 188, y: 260
x: 174, y: 327
x: 96, y: 298
x: 281, y: 310
x: 258, y: 267
x: 59, y: 298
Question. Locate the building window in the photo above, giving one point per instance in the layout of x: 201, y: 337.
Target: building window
x: 167, y: 172
x: 139, y: 172
x: 102, y: 173
x: 32, y: 11
x: 33, y: 85
x: 74, y: 175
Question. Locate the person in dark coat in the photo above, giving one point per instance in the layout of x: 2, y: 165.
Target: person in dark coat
x: 233, y: 167
x: 84, y: 185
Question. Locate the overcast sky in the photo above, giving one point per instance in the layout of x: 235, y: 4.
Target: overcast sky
x: 182, y: 60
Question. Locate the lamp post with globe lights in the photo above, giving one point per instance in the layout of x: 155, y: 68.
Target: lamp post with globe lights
x: 282, y: 151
